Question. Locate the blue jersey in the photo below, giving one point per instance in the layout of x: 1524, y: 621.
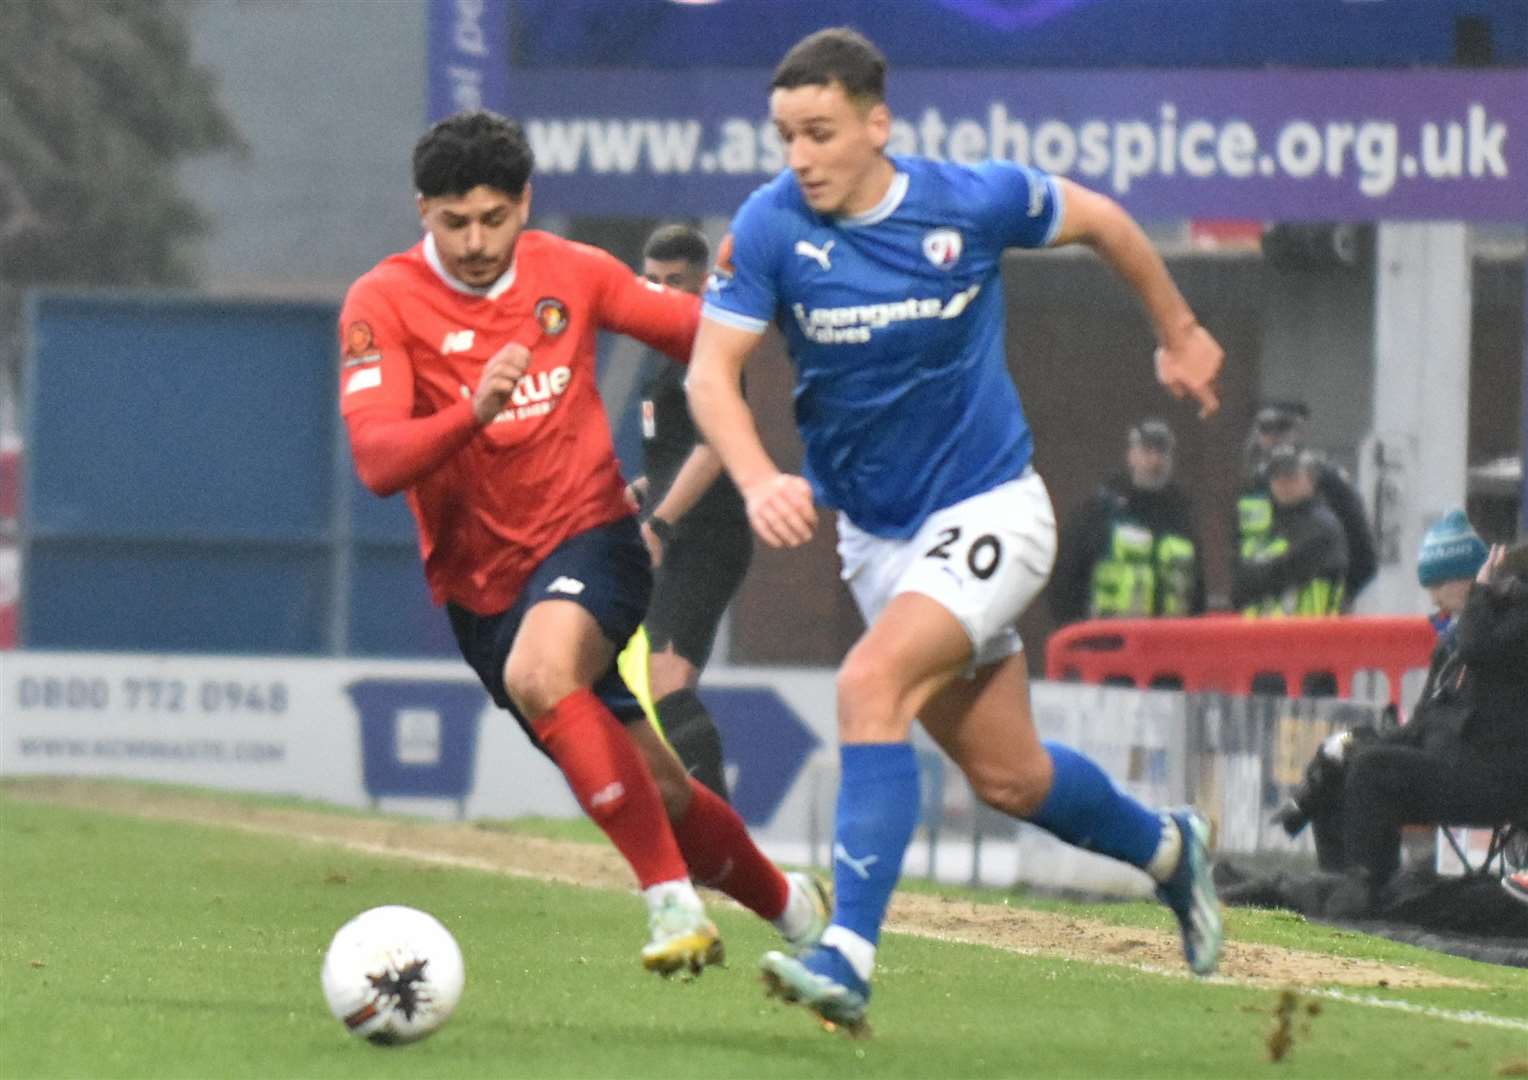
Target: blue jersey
x: 894, y: 320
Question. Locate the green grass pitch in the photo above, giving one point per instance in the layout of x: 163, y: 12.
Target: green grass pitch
x: 137, y: 948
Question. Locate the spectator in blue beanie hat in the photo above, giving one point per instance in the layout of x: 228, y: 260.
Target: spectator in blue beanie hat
x: 1450, y: 557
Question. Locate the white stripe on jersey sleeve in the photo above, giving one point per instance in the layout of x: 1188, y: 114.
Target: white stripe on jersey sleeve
x: 732, y: 318
x: 1059, y: 200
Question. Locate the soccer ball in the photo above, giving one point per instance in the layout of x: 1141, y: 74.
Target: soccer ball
x: 392, y: 975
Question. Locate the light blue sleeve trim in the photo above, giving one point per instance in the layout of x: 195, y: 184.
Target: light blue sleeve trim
x: 732, y: 318
x: 1059, y: 200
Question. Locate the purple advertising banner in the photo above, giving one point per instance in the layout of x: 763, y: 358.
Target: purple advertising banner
x: 1270, y: 145
x: 468, y: 51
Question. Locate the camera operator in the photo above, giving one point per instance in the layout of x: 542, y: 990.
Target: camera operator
x: 1463, y: 759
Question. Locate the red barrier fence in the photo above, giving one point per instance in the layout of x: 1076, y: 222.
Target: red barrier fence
x: 1227, y: 653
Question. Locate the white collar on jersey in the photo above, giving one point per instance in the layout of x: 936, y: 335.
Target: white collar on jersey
x: 883, y: 209
x: 490, y: 292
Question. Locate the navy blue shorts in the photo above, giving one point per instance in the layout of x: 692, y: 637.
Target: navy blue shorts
x: 606, y: 571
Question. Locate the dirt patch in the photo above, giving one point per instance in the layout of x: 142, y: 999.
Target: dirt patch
x: 1014, y: 929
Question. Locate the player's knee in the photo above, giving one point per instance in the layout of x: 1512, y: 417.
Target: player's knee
x: 868, y: 692
x: 1018, y: 789
x: 535, y: 688
x: 668, y: 671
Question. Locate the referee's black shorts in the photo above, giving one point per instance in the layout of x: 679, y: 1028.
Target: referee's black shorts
x: 703, y: 566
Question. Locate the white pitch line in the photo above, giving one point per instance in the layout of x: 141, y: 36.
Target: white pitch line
x: 1469, y: 1017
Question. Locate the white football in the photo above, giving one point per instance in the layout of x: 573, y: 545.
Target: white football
x: 393, y: 975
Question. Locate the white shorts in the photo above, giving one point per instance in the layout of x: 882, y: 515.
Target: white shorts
x: 984, y: 560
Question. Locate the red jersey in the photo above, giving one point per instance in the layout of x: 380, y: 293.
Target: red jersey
x: 493, y: 502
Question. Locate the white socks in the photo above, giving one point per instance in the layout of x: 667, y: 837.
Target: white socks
x: 855, y: 949
x: 680, y: 891
x: 1169, y: 850
x: 798, y: 914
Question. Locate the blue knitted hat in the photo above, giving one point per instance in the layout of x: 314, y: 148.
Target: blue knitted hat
x: 1451, y: 551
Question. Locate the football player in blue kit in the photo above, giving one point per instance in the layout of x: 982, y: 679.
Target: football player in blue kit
x: 883, y: 273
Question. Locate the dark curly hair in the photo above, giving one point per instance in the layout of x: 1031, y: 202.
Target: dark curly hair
x: 472, y: 149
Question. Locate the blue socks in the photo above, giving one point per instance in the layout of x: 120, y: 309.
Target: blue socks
x: 877, y: 812
x: 1085, y: 809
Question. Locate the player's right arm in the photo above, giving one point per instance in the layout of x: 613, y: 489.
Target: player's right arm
x: 739, y: 302
x: 394, y: 449
x: 779, y: 504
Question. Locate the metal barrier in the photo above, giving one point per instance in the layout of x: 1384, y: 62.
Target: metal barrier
x: 1239, y: 656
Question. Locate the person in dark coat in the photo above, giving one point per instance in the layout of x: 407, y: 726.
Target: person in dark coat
x: 1131, y: 550
x: 1463, y: 757
x: 1299, y: 563
x: 1283, y: 424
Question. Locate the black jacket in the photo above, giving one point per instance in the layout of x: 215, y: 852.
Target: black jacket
x: 1342, y: 499
x: 1363, y: 560
x: 1088, y: 533
x: 1491, y: 641
x: 1305, y: 544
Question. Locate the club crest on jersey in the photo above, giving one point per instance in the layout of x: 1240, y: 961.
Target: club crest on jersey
x: 942, y: 247
x: 360, y: 345
x: 552, y: 314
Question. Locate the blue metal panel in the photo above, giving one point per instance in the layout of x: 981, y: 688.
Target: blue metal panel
x: 375, y: 520
x: 391, y: 613
x: 164, y: 597
x: 180, y: 419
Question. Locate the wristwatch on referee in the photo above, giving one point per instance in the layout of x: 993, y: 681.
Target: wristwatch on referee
x: 663, y: 530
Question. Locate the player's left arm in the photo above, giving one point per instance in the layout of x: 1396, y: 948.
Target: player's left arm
x: 700, y: 470
x: 1188, y: 358
x: 663, y: 318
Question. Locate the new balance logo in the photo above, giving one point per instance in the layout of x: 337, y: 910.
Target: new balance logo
x: 819, y: 255
x: 571, y: 586
x: 859, y: 866
x: 607, y: 794
x: 456, y: 341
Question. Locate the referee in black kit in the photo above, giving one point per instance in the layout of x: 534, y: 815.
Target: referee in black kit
x: 696, y: 527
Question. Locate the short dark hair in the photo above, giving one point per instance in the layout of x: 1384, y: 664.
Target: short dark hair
x: 677, y: 241
x: 472, y: 149
x: 1280, y: 416
x: 1285, y: 460
x: 839, y: 55
x: 1153, y: 434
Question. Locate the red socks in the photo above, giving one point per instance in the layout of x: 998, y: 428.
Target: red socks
x: 613, y: 785
x: 615, y: 788
x: 723, y: 856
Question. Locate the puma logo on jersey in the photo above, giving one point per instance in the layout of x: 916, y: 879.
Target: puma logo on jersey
x: 819, y: 255
x: 571, y: 586
x: 457, y: 341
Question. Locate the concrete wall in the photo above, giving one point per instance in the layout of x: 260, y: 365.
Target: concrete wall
x: 330, y: 97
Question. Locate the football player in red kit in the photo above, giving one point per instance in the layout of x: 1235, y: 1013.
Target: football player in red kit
x: 468, y: 381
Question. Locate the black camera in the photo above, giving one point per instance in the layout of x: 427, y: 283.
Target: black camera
x: 1320, y: 789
